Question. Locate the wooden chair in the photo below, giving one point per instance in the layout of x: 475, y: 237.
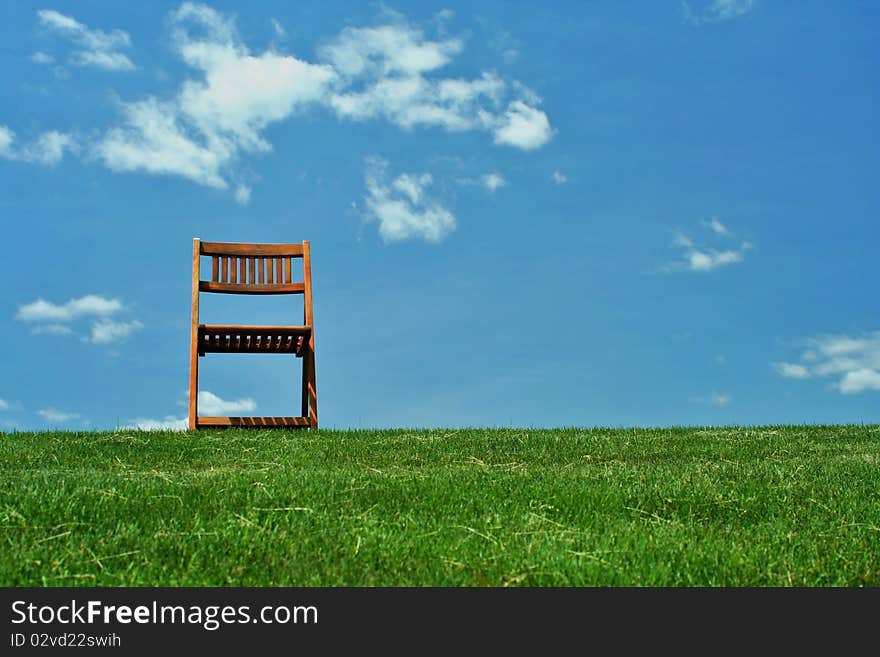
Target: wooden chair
x: 253, y: 269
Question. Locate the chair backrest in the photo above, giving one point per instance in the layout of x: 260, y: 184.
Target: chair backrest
x: 243, y: 268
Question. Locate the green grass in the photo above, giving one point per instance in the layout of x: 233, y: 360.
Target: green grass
x: 739, y: 506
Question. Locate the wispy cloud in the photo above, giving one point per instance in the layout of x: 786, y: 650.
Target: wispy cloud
x: 698, y: 12
x: 523, y: 126
x: 52, y: 329
x: 96, y: 48
x: 712, y: 259
x: 854, y: 362
x: 717, y: 227
x: 500, y: 40
x: 558, y: 177
x: 278, y: 29
x: 243, y: 194
x: 219, y: 115
x: 169, y: 422
x: 105, y: 331
x: 792, y: 370
x: 56, y: 416
x: 40, y: 57
x: 402, y: 207
x: 200, y: 132
x: 90, y: 304
x: 209, y: 404
x: 492, y: 181
x: 714, y: 399
x: 56, y: 317
x: 388, y: 71
x: 4, y: 405
x: 47, y: 149
x: 703, y: 257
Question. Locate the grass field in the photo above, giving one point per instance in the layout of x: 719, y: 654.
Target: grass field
x: 741, y: 506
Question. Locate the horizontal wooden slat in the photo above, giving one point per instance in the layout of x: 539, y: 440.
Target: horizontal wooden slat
x: 254, y: 329
x: 247, y: 288
x: 242, y: 249
x: 263, y: 422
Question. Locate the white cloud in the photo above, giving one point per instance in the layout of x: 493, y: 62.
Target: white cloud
x: 241, y: 93
x: 714, y: 399
x: 243, y: 194
x: 199, y: 133
x: 523, y: 126
x: 714, y: 11
x: 278, y: 29
x: 52, y: 329
x: 792, y: 370
x: 414, y: 101
x: 558, y: 177
x: 853, y: 361
x: 386, y: 49
x: 99, y: 48
x: 704, y: 258
x: 221, y: 112
x: 859, y: 380
x: 493, y: 181
x: 169, y: 422
x: 401, y: 208
x: 105, y: 331
x: 153, y: 140
x: 90, y: 304
x: 709, y: 260
x: 680, y: 239
x: 412, y: 185
x: 386, y: 73
x: 54, y: 415
x: 6, y: 139
x: 41, y: 57
x: 109, y: 61
x: 4, y: 405
x: 211, y: 404
x: 47, y: 149
x: 716, y: 226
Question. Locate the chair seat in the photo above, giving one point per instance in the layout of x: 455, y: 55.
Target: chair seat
x: 232, y: 339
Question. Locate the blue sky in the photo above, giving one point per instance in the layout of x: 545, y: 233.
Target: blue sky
x: 603, y: 213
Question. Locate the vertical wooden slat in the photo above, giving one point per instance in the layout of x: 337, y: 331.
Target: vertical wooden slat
x: 222, y: 278
x: 270, y: 270
x: 242, y: 272
x: 260, y: 270
x: 251, y: 271
x: 194, y: 337
x: 287, y: 278
x: 309, y: 384
x: 278, y: 264
x: 307, y: 292
x: 215, y: 269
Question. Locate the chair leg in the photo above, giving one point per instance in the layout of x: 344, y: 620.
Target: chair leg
x: 309, y: 389
x: 193, y: 385
x: 313, y: 392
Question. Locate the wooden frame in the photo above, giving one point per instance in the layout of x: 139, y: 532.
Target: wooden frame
x: 239, y: 268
